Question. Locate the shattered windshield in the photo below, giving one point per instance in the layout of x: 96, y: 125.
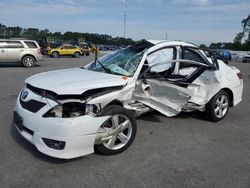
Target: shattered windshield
x: 122, y: 62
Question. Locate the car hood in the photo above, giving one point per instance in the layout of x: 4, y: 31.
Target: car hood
x: 74, y: 81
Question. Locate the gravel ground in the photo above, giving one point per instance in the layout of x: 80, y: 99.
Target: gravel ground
x: 184, y: 151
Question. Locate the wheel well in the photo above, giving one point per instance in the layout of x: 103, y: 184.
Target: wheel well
x: 29, y: 55
x: 56, y: 52
x: 115, y: 102
x: 231, y: 96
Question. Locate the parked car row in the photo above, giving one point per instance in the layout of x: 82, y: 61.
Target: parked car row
x: 28, y: 52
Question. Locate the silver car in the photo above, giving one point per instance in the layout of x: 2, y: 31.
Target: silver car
x: 246, y: 58
x: 27, y: 52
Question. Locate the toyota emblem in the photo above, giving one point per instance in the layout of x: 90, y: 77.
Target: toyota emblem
x: 24, y: 95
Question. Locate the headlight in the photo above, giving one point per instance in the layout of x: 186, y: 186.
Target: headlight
x: 56, y: 111
x: 66, y: 110
x: 73, y: 109
x: 93, y: 109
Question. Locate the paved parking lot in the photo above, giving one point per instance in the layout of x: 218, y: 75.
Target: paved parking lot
x: 184, y: 151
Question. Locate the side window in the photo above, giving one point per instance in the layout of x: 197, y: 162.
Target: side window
x: 186, y: 68
x: 160, y: 60
x: 3, y: 44
x: 15, y: 44
x: 30, y: 44
x: 191, y: 54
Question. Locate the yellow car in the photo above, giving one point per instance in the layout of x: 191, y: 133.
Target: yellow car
x: 65, y: 50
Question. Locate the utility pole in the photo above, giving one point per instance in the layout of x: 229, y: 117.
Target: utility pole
x: 166, y: 35
x: 125, y: 18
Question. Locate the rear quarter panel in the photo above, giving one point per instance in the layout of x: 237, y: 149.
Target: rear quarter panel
x: 211, y: 82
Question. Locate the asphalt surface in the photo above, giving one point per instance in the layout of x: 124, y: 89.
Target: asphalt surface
x: 184, y: 151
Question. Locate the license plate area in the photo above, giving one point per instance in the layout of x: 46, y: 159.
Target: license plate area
x: 18, y: 120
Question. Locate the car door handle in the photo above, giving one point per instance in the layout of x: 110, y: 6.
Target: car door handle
x: 2, y: 51
x: 21, y: 50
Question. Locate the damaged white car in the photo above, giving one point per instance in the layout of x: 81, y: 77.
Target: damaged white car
x: 74, y: 112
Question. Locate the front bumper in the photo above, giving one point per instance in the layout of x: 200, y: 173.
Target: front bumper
x: 78, y: 133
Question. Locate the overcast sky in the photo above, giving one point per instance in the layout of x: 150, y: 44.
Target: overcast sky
x: 198, y: 21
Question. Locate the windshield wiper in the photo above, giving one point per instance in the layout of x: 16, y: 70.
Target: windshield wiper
x: 106, y: 69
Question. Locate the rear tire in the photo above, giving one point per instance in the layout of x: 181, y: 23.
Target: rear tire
x: 218, y: 106
x: 28, y: 61
x: 122, y: 139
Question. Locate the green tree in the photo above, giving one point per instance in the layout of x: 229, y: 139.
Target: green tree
x: 15, y: 31
x: 45, y: 36
x: 218, y: 45
x: 2, y: 30
x: 203, y: 46
x: 246, y: 27
x: 238, y: 37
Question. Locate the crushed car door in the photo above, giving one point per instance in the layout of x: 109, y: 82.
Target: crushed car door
x: 163, y: 84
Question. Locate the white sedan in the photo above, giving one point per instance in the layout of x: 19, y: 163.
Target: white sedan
x: 74, y: 112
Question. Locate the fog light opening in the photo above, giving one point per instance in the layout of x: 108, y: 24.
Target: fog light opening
x: 54, y: 144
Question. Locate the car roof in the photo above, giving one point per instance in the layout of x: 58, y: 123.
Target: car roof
x: 157, y: 44
x: 171, y: 43
x: 67, y: 45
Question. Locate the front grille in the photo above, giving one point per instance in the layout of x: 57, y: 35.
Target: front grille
x: 32, y: 105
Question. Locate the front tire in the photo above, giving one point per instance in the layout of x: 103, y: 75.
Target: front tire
x: 28, y: 61
x: 77, y: 54
x: 123, y: 138
x: 55, y: 54
x: 218, y: 106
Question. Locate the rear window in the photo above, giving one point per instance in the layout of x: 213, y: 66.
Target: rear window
x: 31, y: 44
x: 14, y: 44
x: 192, y: 55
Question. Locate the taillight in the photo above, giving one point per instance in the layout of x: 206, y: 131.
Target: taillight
x: 39, y: 51
x: 240, y: 75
